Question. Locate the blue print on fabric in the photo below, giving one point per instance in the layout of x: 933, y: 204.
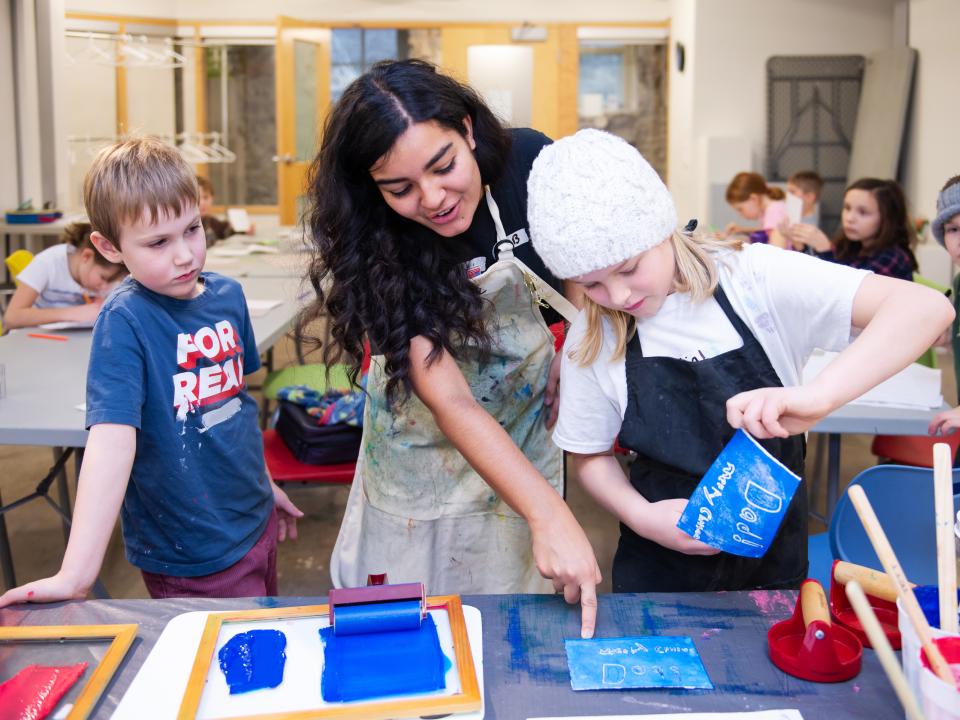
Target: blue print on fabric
x: 375, y: 665
x: 253, y: 660
x: 741, y: 500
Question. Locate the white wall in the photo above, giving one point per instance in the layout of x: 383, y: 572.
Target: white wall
x: 733, y: 40
x: 9, y: 179
x: 933, y: 150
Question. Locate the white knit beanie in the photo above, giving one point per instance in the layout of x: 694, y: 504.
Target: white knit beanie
x: 593, y: 202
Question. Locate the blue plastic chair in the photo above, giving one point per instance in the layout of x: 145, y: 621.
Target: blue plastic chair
x: 902, y: 498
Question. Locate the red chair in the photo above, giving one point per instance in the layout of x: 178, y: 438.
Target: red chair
x: 285, y: 468
x: 915, y: 450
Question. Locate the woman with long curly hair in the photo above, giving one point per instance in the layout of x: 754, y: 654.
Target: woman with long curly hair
x: 418, y: 215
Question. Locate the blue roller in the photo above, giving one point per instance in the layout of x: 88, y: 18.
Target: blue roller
x: 377, y: 617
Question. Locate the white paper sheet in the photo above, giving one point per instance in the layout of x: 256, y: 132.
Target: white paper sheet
x: 914, y: 387
x: 794, y: 208
x: 756, y: 715
x: 259, y: 308
x: 241, y: 250
x: 238, y: 218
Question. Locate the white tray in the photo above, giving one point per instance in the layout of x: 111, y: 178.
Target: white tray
x: 158, y: 687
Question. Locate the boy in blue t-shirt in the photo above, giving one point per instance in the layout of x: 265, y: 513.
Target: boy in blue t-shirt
x: 173, y: 431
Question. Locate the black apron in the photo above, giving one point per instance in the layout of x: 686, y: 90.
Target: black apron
x: 676, y: 422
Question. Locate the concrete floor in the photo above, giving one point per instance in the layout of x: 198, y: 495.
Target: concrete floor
x: 37, y: 541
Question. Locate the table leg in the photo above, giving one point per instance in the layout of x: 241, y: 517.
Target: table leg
x: 63, y: 493
x: 6, y: 558
x: 833, y: 474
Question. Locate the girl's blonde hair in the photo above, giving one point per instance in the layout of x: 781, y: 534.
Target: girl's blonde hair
x: 696, y: 273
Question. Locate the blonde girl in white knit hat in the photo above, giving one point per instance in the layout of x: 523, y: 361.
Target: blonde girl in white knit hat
x: 685, y: 338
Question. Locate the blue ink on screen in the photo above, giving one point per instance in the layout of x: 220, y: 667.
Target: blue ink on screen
x: 741, y: 500
x: 376, y: 665
x: 253, y: 660
x: 636, y: 662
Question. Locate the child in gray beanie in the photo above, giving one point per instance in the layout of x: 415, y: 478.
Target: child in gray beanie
x: 946, y: 230
x: 684, y: 338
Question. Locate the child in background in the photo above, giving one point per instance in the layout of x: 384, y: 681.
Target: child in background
x: 946, y: 230
x: 750, y: 196
x: 875, y: 232
x: 807, y: 185
x: 173, y: 432
x: 65, y: 283
x: 684, y: 338
x: 213, y: 227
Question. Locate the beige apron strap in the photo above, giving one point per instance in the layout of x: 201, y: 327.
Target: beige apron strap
x: 541, y: 290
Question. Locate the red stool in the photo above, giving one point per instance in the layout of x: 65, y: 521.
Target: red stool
x: 915, y: 450
x: 284, y: 467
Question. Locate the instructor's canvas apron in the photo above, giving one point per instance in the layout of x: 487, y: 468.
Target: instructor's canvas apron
x: 417, y: 510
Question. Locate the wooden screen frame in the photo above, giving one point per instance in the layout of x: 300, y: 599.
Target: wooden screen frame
x: 467, y: 700
x: 121, y: 637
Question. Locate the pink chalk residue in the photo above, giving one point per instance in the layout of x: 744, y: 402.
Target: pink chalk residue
x: 774, y: 602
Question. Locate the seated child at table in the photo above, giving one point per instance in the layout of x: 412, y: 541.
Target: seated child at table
x: 684, y: 338
x: 65, y: 283
x: 875, y: 231
x: 749, y: 194
x: 946, y: 229
x: 173, y: 436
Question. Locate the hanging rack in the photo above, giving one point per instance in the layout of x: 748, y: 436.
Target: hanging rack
x: 128, y: 51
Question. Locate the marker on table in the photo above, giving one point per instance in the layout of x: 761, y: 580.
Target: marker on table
x: 45, y: 336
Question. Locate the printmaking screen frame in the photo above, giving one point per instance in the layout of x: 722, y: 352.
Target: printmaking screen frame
x: 120, y: 636
x: 467, y: 700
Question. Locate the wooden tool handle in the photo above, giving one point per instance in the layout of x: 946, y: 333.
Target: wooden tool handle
x: 813, y: 603
x: 872, y: 581
x: 946, y: 545
x: 881, y: 546
x: 878, y: 639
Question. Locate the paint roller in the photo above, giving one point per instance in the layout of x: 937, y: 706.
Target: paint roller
x: 377, y: 608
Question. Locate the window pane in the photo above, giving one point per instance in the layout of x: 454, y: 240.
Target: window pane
x: 305, y: 97
x: 346, y: 46
x: 379, y: 45
x: 340, y: 77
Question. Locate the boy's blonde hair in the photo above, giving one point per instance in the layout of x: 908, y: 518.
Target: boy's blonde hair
x: 133, y: 175
x: 696, y: 273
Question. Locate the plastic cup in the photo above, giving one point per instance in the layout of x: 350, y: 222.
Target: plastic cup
x: 912, y: 660
x: 940, y: 700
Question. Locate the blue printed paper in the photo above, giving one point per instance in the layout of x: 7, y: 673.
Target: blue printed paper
x: 741, y: 500
x: 636, y: 662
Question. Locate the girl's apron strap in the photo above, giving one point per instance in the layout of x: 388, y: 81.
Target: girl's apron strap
x: 542, y: 292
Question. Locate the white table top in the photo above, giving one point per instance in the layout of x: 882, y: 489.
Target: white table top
x: 875, y: 420
x: 46, y: 379
x: 54, y: 228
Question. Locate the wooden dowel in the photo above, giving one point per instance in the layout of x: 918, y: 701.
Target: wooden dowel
x: 813, y: 604
x: 878, y: 639
x: 884, y: 551
x: 872, y: 581
x: 946, y: 545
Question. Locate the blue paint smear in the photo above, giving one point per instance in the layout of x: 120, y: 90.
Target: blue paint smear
x: 376, y: 665
x: 253, y: 660
x: 928, y: 597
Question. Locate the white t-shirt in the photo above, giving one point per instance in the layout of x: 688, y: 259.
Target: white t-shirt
x: 793, y: 303
x: 49, y: 274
